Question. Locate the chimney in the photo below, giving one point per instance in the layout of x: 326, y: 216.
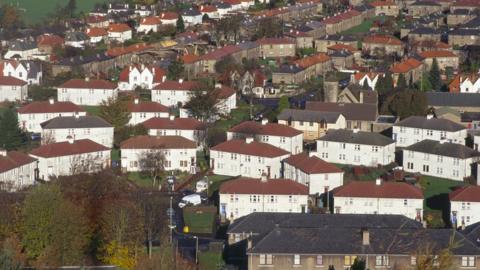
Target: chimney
x: 249, y: 140
x: 3, y: 152
x: 87, y: 79
x: 77, y: 115
x: 70, y: 139
x: 263, y: 178
x: 171, y: 117
x: 51, y: 101
x: 130, y: 68
x: 180, y: 81
x: 378, y: 182
x: 143, y: 66
x: 264, y: 121
x: 136, y: 101
x: 311, y: 154
x: 429, y: 116
x: 218, y: 85
x: 365, y: 237
x: 164, y: 78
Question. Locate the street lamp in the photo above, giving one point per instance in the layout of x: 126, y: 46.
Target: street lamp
x: 196, y: 249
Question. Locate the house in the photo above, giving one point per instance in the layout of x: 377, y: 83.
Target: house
x: 149, y: 24
x: 379, y: 197
x: 422, y: 34
x: 423, y: 8
x: 381, y: 45
x: 343, y: 21
x: 278, y: 135
x: 322, y: 43
x: 235, y: 4
x: 313, y: 124
x: 189, y: 128
x: 465, y: 206
x: 76, y: 39
x: 169, y: 18
x: 247, y: 158
x: 357, y: 115
x: 173, y: 93
x: 91, y: 92
x: 191, y: 62
x: 463, y: 102
x: 192, y: 16
x: 31, y: 116
x: 28, y: 71
x: 60, y: 129
x: 24, y: 49
x: 17, y: 170
x: 440, y: 159
x: 387, y: 8
x: 356, y: 94
x: 144, y: 76
x: 242, y: 196
x: 209, y: 10
x: 318, y: 175
x: 47, y: 43
x: 342, y: 60
x: 371, y: 78
x: 445, y: 59
x: 302, y: 69
x: 96, y: 34
x: 460, y: 16
x: 244, y: 50
x: 141, y: 111
x: 70, y: 158
x: 276, y: 47
x: 119, y: 32
x: 144, y: 10
x: 13, y: 89
x: 414, y: 129
x: 355, y: 147
x: 100, y: 21
x: 302, y: 39
x: 410, y: 68
x: 223, y: 9
x: 227, y: 98
x: 463, y: 37
x: 179, y: 153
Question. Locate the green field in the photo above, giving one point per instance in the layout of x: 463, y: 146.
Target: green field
x: 36, y: 10
x: 200, y: 220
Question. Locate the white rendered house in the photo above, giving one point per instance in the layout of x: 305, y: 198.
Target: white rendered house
x: 416, y: 128
x: 119, y: 32
x: 28, y: 71
x: 242, y: 196
x: 70, y: 158
x: 169, y: 18
x: 247, y: 158
x: 281, y: 136
x: 89, y: 92
x: 179, y: 153
x: 13, y: 89
x: 355, y: 147
x: 141, y: 111
x: 378, y: 197
x: 192, y: 16
x: 440, y: 159
x: 78, y: 127
x: 189, y: 128
x: 22, y: 49
x: 134, y: 76
x: 149, y: 24
x: 96, y: 34
x: 465, y: 206
x: 307, y: 169
x: 17, y: 170
x: 173, y: 93
x: 31, y: 116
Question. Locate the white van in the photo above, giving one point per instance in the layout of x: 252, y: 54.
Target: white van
x: 192, y: 199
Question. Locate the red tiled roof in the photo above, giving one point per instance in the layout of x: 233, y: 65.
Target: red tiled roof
x: 208, y: 8
x: 157, y: 77
x: 312, y: 60
x: 245, y: 185
x: 177, y: 123
x: 13, y: 160
x: 382, y: 39
x: 466, y: 194
x: 160, y: 142
x: 66, y: 149
x: 168, y: 16
x: 96, y: 32
x: 273, y: 41
x: 467, y: 3
x: 369, y: 189
x: 46, y: 107
x: 434, y: 54
x: 50, y: 40
x: 341, y: 46
x: 253, y: 148
x: 117, y: 51
x: 220, y: 52
x: 8, y: 80
x: 118, y: 27
x: 147, y: 106
x: 152, y: 20
x: 232, y: 2
x: 296, y: 33
x: 176, y: 85
x: 88, y: 84
x: 342, y: 16
x: 311, y: 165
x: 190, y: 58
x: 405, y: 66
x: 273, y: 129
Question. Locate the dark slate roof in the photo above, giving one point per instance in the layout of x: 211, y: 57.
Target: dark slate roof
x: 363, y: 7
x: 74, y: 122
x: 289, y: 69
x: 462, y: 11
x: 443, y: 149
x: 349, y: 241
x: 263, y: 222
x: 472, y: 232
x: 465, y: 32
x: 191, y: 12
x: 338, y: 38
x: 474, y: 23
x: 308, y: 116
x: 223, y: 5
x: 432, y: 123
x: 470, y: 116
x: 425, y: 31
x: 351, y: 111
x: 341, y: 53
x: 22, y: 45
x: 453, y: 99
x: 76, y: 36
x: 247, y: 45
x: 358, y: 137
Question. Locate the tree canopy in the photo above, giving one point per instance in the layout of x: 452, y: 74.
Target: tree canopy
x: 11, y: 136
x: 115, y: 111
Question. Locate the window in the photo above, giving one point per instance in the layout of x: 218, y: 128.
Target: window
x: 296, y: 259
x: 410, y: 165
x: 429, y: 132
x: 381, y: 260
x: 416, y: 131
x: 263, y: 259
x: 455, y: 173
x: 413, y: 260
x: 440, y: 159
x: 456, y: 161
x: 357, y: 147
x: 343, y: 146
x: 374, y: 148
x: 269, y: 259
x: 439, y: 170
x: 348, y: 260
x: 311, y: 124
x: 405, y: 202
x: 319, y: 260
x: 425, y: 168
x: 301, y: 123
x: 468, y: 261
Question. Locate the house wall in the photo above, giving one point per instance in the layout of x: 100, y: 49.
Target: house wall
x: 140, y: 117
x: 355, y: 154
x: 317, y: 183
x: 314, y: 130
x: 176, y: 159
x: 406, y: 136
x: 18, y: 177
x: 31, y: 121
x: 90, y: 97
x: 13, y: 93
x: 466, y: 212
x: 170, y: 98
x: 443, y: 62
x: 120, y: 36
x: 24, y: 55
x: 277, y: 50
x: 103, y: 136
x: 191, y: 134
x: 21, y: 72
x: 293, y: 144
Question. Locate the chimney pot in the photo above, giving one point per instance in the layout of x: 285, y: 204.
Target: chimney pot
x: 429, y: 116
x: 3, y: 152
x: 51, y: 100
x: 263, y: 178
x: 249, y: 140
x: 365, y: 237
x: 136, y: 101
x: 180, y: 80
x: 171, y: 117
x: 70, y: 139
x: 264, y: 121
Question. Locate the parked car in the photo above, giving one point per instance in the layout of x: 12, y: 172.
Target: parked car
x: 192, y: 199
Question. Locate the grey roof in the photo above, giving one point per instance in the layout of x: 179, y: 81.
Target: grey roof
x: 447, y: 99
x: 75, y: 36
x: 22, y: 45
x: 443, y: 149
x: 289, y: 69
x: 341, y: 53
x: 309, y: 116
x: 470, y: 116
x: 474, y: 23
x: 223, y: 5
x: 191, y: 12
x: 356, y: 137
x: 472, y: 232
x: 397, y: 241
x: 425, y: 31
x: 80, y: 60
x: 74, y: 122
x: 351, y: 111
x: 425, y: 3
x: 363, y: 7
x: 432, y: 123
x: 263, y: 222
x: 247, y: 45
x: 464, y: 32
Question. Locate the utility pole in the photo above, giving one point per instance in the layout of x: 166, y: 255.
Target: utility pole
x: 196, y: 249
x: 171, y: 219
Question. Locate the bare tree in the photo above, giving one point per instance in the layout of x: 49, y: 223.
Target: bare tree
x: 47, y: 138
x: 152, y: 162
x: 86, y: 164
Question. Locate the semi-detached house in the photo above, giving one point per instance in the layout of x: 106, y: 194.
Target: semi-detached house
x: 13, y: 89
x: 91, y: 92
x: 17, y: 170
x: 189, y: 128
x: 465, y: 206
x: 119, y: 32
x: 141, y: 111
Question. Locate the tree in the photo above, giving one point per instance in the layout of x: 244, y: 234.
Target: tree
x: 424, y: 84
x: 11, y: 137
x: 9, y: 16
x: 176, y: 70
x: 180, y: 24
x: 401, y: 82
x: 226, y: 64
x: 358, y: 264
x: 405, y: 103
x: 71, y: 7
x: 269, y: 27
x: 39, y: 93
x: 152, y: 162
x: 203, y: 102
x: 205, y: 17
x: 125, y: 132
x: 365, y: 85
x: 115, y: 111
x: 384, y: 86
x: 11, y: 256
x: 283, y: 104
x: 434, y: 76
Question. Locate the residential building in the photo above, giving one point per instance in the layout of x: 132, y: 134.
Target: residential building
x: 460, y: 16
x: 24, y: 49
x: 462, y: 102
x: 76, y: 39
x: 465, y: 206
x: 464, y: 83
x: 17, y: 170
x: 189, y: 128
x: 70, y: 158
x: 192, y: 16
x: 371, y: 79
x: 463, y: 37
x: 387, y: 8
x: 414, y: 129
x: 141, y: 111
x: 13, y: 89
x: 381, y: 45
x: 169, y: 18
x: 144, y: 76
x: 440, y: 159
x: 91, y: 92
x: 31, y: 116
x: 355, y: 147
x: 61, y: 129
x: 424, y: 34
x: 423, y: 8
x: 302, y: 69
x: 313, y: 124
x: 96, y: 34
x: 29, y: 71
x: 276, y: 47
x: 411, y: 68
x: 278, y: 135
x: 209, y: 10
x: 47, y: 43
x: 323, y: 43
x: 242, y: 196
x: 149, y: 25
x: 173, y: 93
x: 119, y: 32
x: 445, y: 59
x: 247, y: 158
x: 179, y: 153
x: 318, y: 175
x: 356, y: 94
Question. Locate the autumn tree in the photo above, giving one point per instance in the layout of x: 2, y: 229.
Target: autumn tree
x: 115, y: 111
x: 405, y: 103
x: 268, y: 27
x: 11, y: 257
x: 203, y: 102
x: 9, y: 16
x: 11, y: 137
x: 152, y: 163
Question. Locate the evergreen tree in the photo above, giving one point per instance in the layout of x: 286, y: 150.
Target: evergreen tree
x: 11, y: 136
x: 71, y: 7
x: 424, y: 84
x: 180, y: 24
x: 175, y: 70
x: 435, y: 80
x: 401, y: 83
x: 410, y: 81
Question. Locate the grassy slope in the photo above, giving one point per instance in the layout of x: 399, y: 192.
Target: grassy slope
x: 199, y: 222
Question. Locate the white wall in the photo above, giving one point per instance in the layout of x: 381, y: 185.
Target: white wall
x: 13, y: 93
x: 31, y: 121
x: 103, y: 136
x: 470, y: 87
x: 24, y: 55
x: 192, y: 135
x: 120, y: 36
x: 19, y: 177
x: 90, y: 97
x: 406, y: 136
x: 355, y: 154
x: 293, y: 144
x: 176, y: 159
x: 146, y: 28
x: 21, y: 72
x: 468, y: 212
x: 317, y: 183
x: 143, y: 78
x: 140, y: 117
x: 170, y: 98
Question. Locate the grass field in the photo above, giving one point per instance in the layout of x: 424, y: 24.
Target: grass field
x: 200, y: 221
x: 36, y: 10
x: 362, y: 28
x: 210, y: 260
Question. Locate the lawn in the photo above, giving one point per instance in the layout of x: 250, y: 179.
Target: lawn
x: 210, y: 260
x: 238, y: 115
x: 364, y: 27
x: 92, y: 110
x: 200, y: 219
x: 215, y: 182
x: 36, y: 10
x: 139, y: 179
